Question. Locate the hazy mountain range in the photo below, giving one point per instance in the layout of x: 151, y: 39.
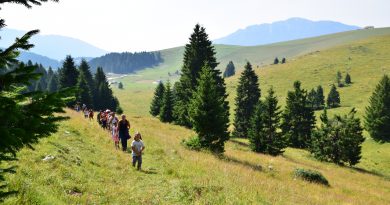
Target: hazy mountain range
x: 290, y: 29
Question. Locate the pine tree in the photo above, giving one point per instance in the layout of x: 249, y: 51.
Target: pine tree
x: 166, y: 111
x: 104, y: 98
x: 348, y: 79
x: 230, y: 70
x: 320, y: 98
x: 283, y: 60
x: 276, y: 61
x: 53, y: 84
x: 25, y: 117
x: 333, y: 98
x: 312, y: 99
x: 377, y: 118
x: 157, y: 101
x: 208, y: 112
x: 338, y: 140
x: 84, y: 95
x: 248, y: 94
x: 338, y: 79
x: 120, y: 85
x: 69, y: 74
x: 298, y: 118
x: 198, y: 52
x: 264, y: 132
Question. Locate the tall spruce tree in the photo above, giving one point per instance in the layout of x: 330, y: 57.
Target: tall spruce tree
x: 347, y: 79
x: 338, y: 79
x: 84, y: 94
x: 208, y: 113
x: 298, y: 118
x: 85, y: 69
x: 25, y: 117
x: 157, y: 101
x: 248, y: 94
x: 104, y: 98
x: 166, y: 110
x: 264, y: 128
x: 339, y: 139
x: 333, y: 99
x: 320, y: 98
x: 197, y: 53
x: 276, y: 61
x: 53, y: 84
x: 230, y: 70
x: 69, y: 75
x: 377, y: 118
x: 312, y: 99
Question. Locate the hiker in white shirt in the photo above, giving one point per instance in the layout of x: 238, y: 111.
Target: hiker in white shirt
x: 137, y: 147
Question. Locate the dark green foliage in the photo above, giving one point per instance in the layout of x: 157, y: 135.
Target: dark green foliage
x: 209, y: 115
x: 377, y: 119
x: 157, y: 101
x: 264, y: 135
x: 53, y: 84
x: 104, y: 98
x: 338, y: 140
x: 120, y: 85
x: 84, y: 95
x: 230, y: 70
x: 119, y: 110
x: 348, y: 79
x: 85, y: 69
x: 298, y: 118
x: 311, y: 176
x: 166, y: 110
x: 283, y: 60
x: 276, y: 61
x: 197, y: 53
x: 320, y: 98
x: 312, y: 97
x: 333, y: 99
x: 338, y: 79
x: 248, y: 94
x: 126, y: 62
x: 68, y: 74
x: 25, y: 116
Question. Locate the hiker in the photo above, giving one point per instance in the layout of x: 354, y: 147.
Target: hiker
x: 123, y: 128
x: 98, y: 117
x: 115, y: 135
x: 86, y: 113
x: 103, y: 120
x: 137, y: 147
x: 90, y: 114
x: 114, y: 119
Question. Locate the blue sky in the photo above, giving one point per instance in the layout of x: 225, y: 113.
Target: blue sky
x: 136, y: 25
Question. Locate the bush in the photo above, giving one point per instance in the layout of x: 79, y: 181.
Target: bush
x: 311, y: 176
x: 119, y: 110
x: 192, y: 143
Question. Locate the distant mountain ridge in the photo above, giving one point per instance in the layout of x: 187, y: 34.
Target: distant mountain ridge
x: 290, y: 29
x: 53, y: 46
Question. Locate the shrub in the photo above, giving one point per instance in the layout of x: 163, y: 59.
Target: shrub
x: 192, y: 143
x: 119, y: 110
x: 311, y: 176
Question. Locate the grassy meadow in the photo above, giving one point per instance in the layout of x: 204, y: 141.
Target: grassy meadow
x: 88, y: 170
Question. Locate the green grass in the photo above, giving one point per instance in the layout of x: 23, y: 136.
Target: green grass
x: 86, y: 161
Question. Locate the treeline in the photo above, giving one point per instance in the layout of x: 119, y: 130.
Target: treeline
x: 126, y: 62
x: 198, y: 101
x: 93, y: 91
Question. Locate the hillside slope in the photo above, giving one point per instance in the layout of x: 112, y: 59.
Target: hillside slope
x: 263, y: 55
x: 88, y: 170
x: 290, y: 29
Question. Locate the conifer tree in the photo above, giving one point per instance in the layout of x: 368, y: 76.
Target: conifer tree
x: 312, y: 99
x: 53, y: 84
x: 276, y: 61
x: 348, y: 79
x: 338, y: 140
x: 283, y: 60
x: 166, y: 110
x: 338, y: 79
x: 197, y: 52
x: 377, y: 118
x: 157, y: 101
x: 120, y: 85
x: 69, y: 75
x: 264, y: 132
x: 84, y: 95
x: 320, y: 98
x: 209, y: 115
x: 230, y: 70
x: 333, y: 99
x: 248, y: 94
x: 104, y: 98
x: 298, y: 118
x: 86, y: 70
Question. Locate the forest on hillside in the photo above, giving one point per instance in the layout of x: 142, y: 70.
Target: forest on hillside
x: 126, y: 62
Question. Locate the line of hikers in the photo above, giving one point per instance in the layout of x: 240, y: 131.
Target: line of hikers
x: 119, y: 131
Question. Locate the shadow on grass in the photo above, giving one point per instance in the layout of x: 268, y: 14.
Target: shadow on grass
x: 361, y: 170
x: 256, y: 167
x: 238, y: 142
x: 148, y: 171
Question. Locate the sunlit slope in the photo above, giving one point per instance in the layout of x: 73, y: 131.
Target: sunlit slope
x: 265, y: 54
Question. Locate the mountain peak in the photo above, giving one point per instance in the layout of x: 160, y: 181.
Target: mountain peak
x: 285, y: 30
